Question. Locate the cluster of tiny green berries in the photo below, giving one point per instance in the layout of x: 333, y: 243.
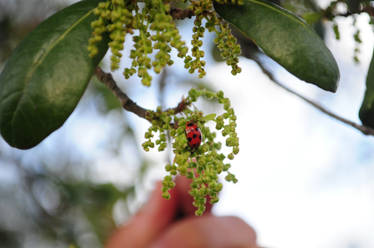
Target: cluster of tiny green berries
x: 356, y: 34
x: 152, y: 29
x: 154, y: 34
x: 356, y: 38
x: 228, y: 47
x: 195, y: 62
x: 204, y: 164
x: 335, y: 28
x: 358, y: 42
x: 225, y: 41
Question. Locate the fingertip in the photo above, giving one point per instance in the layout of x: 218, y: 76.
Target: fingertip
x: 239, y: 223
x: 208, y: 231
x: 147, y: 223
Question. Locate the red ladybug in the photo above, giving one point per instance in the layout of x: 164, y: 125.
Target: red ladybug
x: 193, y: 135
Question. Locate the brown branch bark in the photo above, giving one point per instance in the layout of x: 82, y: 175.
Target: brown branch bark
x: 328, y: 13
x: 363, y: 129
x: 127, y: 103
x: 178, y: 13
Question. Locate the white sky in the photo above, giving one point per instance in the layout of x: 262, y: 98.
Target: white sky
x: 305, y: 180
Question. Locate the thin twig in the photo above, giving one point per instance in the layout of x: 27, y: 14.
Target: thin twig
x: 364, y: 129
x: 178, y: 13
x: 127, y: 103
x: 328, y: 12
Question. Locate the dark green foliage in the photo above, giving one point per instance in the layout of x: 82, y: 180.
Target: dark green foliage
x: 285, y: 38
x: 46, y: 76
x: 366, y: 113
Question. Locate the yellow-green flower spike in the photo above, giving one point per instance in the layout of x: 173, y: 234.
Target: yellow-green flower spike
x: 204, y: 163
x: 153, y: 30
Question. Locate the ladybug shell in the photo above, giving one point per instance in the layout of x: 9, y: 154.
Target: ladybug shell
x: 193, y: 135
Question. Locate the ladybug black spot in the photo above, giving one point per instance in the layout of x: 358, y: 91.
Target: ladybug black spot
x: 194, y: 135
x: 200, y: 136
x: 189, y: 139
x: 190, y: 124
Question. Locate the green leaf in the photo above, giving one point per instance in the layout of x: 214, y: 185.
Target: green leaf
x: 46, y: 76
x: 366, y: 113
x: 300, y: 7
x: 285, y: 38
x: 312, y: 17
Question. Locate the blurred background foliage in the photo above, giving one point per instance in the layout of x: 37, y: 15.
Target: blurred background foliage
x: 50, y: 198
x: 52, y: 195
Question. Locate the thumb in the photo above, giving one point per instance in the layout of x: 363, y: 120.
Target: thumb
x: 147, y: 224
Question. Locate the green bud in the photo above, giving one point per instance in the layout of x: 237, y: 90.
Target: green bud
x: 166, y: 195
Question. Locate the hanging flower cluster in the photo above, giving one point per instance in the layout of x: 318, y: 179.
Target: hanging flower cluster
x: 196, y: 151
x: 155, y: 34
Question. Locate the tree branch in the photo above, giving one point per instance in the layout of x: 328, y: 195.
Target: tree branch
x: 328, y: 12
x: 127, y: 103
x: 363, y: 129
x: 178, y: 13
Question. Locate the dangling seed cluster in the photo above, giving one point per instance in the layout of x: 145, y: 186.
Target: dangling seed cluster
x: 154, y: 34
x: 204, y: 164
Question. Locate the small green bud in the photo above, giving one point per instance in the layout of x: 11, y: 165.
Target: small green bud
x: 166, y: 195
x: 231, y: 156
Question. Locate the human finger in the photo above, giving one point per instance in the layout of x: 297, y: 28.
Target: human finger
x: 208, y: 232
x: 147, y: 224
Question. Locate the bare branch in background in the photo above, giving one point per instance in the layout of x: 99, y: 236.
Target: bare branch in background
x: 331, y: 11
x: 126, y: 102
x: 178, y: 13
x: 363, y: 129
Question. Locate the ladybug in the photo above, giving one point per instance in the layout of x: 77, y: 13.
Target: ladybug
x: 193, y: 135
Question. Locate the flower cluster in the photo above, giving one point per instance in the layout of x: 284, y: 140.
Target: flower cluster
x: 356, y: 38
x: 205, y: 163
x: 331, y: 13
x: 358, y: 42
x: 154, y: 34
x: 153, y: 31
x: 225, y: 41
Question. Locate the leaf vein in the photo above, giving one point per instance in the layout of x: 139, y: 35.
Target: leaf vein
x: 41, y: 59
x: 278, y: 10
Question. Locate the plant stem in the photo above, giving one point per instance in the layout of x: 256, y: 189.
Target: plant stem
x: 363, y: 129
x: 127, y: 103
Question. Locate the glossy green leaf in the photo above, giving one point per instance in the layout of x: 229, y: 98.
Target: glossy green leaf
x: 46, y: 75
x: 309, y: 11
x: 285, y: 38
x: 366, y: 113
